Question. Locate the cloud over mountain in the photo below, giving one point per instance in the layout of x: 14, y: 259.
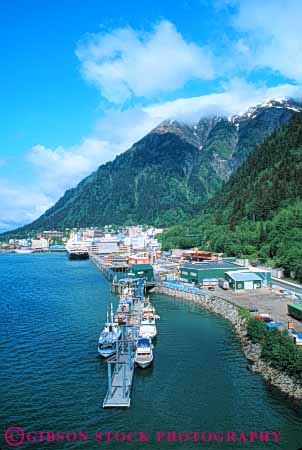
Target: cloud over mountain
x: 129, y: 63
x: 145, y: 76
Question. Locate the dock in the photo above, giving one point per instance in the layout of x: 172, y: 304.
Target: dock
x: 109, y: 272
x: 118, y: 285
x: 120, y: 375
x: 121, y: 365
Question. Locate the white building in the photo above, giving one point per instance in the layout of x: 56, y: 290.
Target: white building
x: 39, y: 244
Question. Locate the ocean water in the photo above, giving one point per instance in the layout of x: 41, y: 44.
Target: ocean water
x: 52, y: 380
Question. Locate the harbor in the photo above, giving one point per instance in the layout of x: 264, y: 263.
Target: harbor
x: 131, y: 344
x: 56, y: 359
x: 151, y: 225
x: 139, y: 270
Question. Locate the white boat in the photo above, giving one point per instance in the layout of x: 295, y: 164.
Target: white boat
x: 24, y: 251
x: 144, y: 352
x: 108, y: 337
x: 77, y: 248
x: 148, y: 326
x: 148, y: 308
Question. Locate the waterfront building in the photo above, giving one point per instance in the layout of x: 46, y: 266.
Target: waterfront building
x: 142, y: 271
x: 138, y: 242
x: 124, y: 249
x: 243, y: 280
x: 106, y: 246
x: 57, y: 248
x: 295, y: 310
x: 139, y: 258
x: 198, y: 272
x: 39, y: 245
x: 23, y: 242
x: 94, y: 234
x: 52, y: 234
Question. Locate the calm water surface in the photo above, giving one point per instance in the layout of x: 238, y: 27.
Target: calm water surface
x: 51, y: 314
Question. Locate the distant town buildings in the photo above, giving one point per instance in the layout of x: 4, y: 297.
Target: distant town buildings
x: 52, y: 234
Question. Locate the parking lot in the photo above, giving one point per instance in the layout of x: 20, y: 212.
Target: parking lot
x: 268, y: 301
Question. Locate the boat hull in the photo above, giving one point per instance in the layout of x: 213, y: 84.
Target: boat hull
x: 148, y: 331
x: 144, y: 364
x: 78, y: 255
x: 105, y: 353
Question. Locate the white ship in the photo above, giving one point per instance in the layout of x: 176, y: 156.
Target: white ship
x: 77, y: 248
x: 148, y: 327
x: 144, y: 352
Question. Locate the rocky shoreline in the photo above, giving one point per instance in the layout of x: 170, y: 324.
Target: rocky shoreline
x: 229, y: 311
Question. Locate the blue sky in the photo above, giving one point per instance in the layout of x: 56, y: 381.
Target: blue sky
x: 81, y: 81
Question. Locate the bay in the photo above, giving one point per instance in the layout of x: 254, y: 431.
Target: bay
x: 51, y: 314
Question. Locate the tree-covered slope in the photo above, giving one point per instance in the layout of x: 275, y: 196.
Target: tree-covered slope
x: 258, y: 212
x: 268, y: 180
x: 157, y: 181
x: 167, y: 176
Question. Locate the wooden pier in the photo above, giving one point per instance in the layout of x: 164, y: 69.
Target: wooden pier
x: 109, y: 272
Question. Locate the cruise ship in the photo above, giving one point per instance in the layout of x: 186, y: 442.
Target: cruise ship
x: 77, y: 248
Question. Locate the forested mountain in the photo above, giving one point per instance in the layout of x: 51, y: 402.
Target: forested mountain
x: 270, y: 179
x: 258, y: 212
x: 167, y: 176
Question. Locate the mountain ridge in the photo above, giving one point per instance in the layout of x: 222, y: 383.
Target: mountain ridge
x: 167, y: 175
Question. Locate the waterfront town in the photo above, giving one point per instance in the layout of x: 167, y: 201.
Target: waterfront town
x: 135, y: 251
x: 261, y: 304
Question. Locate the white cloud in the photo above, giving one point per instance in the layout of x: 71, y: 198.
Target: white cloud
x: 55, y: 170
x: 272, y: 35
x: 20, y: 205
x: 124, y: 127
x: 237, y: 97
x: 128, y: 63
x: 61, y: 168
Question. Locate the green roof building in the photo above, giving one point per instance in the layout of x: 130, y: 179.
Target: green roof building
x: 295, y: 310
x: 243, y: 280
x: 198, y: 272
x: 142, y: 271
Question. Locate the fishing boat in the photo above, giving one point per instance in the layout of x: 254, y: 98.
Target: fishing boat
x: 124, y: 307
x: 144, y: 352
x: 148, y: 308
x: 148, y: 326
x: 108, y: 337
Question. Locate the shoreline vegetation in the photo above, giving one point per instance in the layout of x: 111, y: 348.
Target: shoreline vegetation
x: 269, y: 352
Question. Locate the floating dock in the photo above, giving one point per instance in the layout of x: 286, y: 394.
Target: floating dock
x: 120, y: 375
x: 121, y: 365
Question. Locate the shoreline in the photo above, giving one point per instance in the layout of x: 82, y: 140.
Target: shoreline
x: 286, y: 384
